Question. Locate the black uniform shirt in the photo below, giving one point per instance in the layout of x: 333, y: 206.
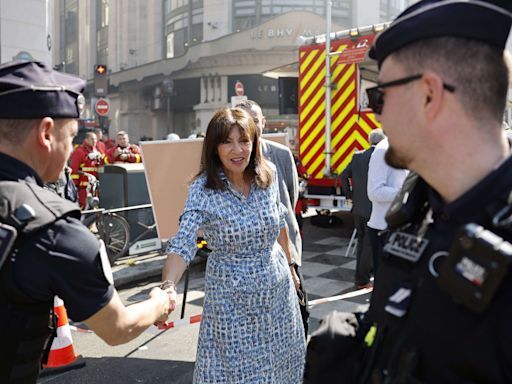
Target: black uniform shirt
x: 452, y: 343
x: 62, y: 260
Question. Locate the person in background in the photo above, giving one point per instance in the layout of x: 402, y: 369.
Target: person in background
x: 53, y: 253
x: 64, y: 186
x: 100, y: 144
x: 123, y: 151
x: 172, y: 137
x: 85, y: 158
x: 354, y: 180
x: 251, y: 330
x: 281, y: 156
x: 384, y: 183
x: 301, y: 207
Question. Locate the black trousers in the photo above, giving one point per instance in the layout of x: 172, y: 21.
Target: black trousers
x: 364, y: 261
x: 377, y: 240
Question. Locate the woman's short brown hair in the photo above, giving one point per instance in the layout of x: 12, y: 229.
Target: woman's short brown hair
x: 218, y: 131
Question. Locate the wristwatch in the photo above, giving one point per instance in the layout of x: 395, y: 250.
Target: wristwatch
x: 291, y: 263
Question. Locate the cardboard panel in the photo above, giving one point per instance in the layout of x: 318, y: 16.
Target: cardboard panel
x: 169, y: 167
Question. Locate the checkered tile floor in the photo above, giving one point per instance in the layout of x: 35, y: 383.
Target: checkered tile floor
x: 327, y: 272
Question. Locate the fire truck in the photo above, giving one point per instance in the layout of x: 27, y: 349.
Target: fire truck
x: 328, y: 140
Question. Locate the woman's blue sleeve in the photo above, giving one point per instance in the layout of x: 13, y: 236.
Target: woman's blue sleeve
x: 193, y: 217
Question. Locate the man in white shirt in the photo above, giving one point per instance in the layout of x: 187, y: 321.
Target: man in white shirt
x: 384, y: 182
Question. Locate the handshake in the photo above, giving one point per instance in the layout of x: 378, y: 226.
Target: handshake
x: 167, y: 295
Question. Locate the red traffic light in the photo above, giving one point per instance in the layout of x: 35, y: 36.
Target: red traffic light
x: 101, y: 69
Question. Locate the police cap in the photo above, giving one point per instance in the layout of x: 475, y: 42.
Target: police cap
x: 487, y: 21
x: 30, y: 90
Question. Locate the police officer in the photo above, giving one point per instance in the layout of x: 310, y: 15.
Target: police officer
x: 441, y: 310
x: 44, y: 248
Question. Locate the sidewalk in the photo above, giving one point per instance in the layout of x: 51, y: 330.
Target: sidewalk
x: 326, y: 270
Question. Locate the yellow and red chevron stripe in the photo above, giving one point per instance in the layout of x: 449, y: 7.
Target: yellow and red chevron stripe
x: 349, y: 128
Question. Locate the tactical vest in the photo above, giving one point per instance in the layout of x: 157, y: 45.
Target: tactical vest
x: 496, y: 220
x: 28, y: 326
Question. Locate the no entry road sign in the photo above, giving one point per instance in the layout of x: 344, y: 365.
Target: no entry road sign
x: 102, y: 107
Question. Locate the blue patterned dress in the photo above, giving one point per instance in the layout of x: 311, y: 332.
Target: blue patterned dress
x: 251, y: 331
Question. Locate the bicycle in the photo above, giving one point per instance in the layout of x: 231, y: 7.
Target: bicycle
x: 108, y: 226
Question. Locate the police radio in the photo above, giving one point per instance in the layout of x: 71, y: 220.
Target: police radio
x: 8, y: 235
x: 409, y: 203
x: 477, y: 264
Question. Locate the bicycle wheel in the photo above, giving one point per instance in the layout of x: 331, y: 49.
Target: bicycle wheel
x: 114, y: 230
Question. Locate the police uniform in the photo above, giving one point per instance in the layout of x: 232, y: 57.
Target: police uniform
x: 53, y: 253
x: 441, y: 310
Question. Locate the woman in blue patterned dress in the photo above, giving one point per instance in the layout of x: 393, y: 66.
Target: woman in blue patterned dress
x: 251, y: 329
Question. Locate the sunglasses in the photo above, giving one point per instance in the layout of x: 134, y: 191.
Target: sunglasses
x: 376, y: 96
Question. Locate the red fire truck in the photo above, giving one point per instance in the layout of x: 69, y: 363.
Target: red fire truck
x: 327, y: 141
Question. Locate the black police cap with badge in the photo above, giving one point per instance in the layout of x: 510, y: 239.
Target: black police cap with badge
x: 31, y: 90
x: 488, y: 21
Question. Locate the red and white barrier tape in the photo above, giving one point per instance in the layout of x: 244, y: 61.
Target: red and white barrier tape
x: 348, y: 295
x: 172, y: 324
x: 197, y: 318
x: 181, y: 322
x: 78, y: 329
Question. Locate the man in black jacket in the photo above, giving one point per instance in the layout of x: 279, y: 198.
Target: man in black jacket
x: 354, y: 180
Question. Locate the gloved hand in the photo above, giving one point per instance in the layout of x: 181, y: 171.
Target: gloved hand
x: 333, y: 350
x: 93, y: 155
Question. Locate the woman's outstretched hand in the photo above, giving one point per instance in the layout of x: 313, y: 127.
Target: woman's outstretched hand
x: 172, y: 297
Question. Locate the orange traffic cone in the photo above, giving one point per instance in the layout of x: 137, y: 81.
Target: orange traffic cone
x: 61, y: 352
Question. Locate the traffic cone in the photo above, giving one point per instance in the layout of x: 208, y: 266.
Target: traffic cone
x: 62, y: 352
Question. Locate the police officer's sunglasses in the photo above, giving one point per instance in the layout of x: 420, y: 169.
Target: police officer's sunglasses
x: 376, y: 96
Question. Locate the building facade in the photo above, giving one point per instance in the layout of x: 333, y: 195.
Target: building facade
x: 172, y: 63
x: 26, y: 30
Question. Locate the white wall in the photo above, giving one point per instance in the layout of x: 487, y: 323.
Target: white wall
x: 24, y: 26
x: 366, y: 12
x: 135, y: 33
x: 216, y: 19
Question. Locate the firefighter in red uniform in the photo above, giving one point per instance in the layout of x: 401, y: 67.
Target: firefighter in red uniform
x: 100, y: 144
x: 85, y: 158
x: 104, y: 142
x: 123, y: 151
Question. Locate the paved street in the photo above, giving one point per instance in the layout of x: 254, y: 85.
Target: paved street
x: 168, y: 356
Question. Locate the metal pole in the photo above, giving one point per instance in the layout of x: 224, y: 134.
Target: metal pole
x: 328, y: 89
x: 168, y: 109
x: 185, y: 290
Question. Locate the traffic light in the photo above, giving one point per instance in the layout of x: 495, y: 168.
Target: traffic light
x: 100, y: 80
x: 101, y: 69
